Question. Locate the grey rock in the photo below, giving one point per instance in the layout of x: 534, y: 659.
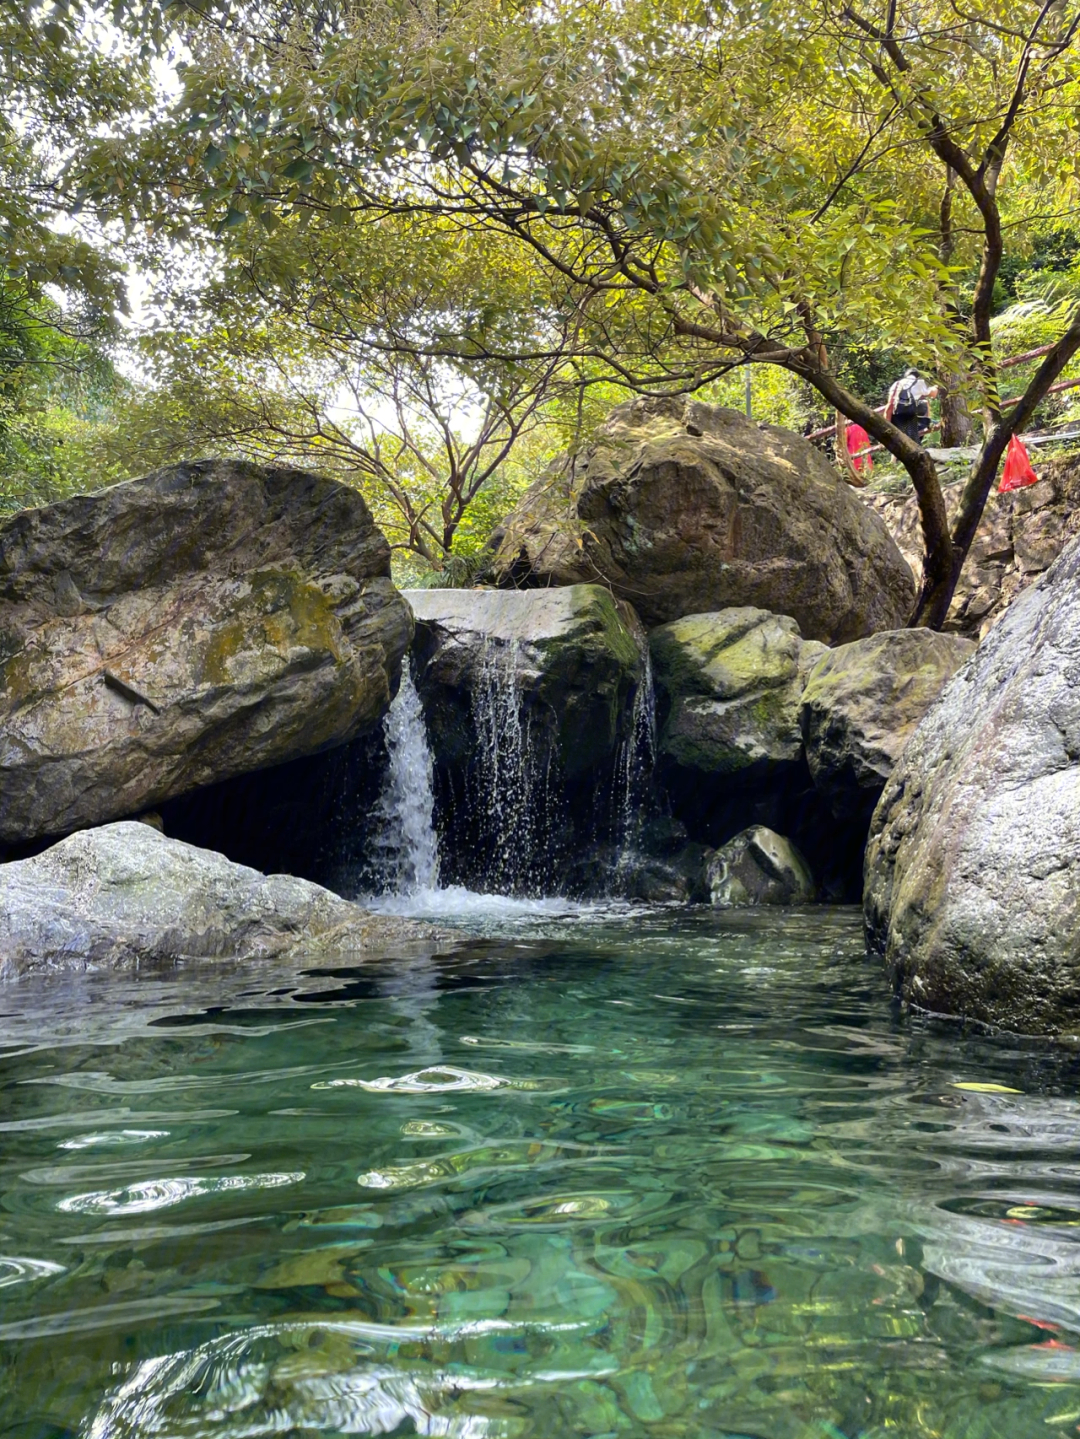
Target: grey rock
x: 681, y: 508
x: 973, y: 866
x: 570, y: 654
x: 732, y: 682
x: 124, y: 895
x: 861, y: 704
x: 204, y: 621
x: 758, y: 866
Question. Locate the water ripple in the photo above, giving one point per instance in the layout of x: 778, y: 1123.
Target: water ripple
x: 437, y: 1079
x: 25, y: 1271
x: 161, y: 1193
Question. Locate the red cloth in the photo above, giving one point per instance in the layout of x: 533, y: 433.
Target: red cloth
x: 1018, y: 471
x: 858, y: 439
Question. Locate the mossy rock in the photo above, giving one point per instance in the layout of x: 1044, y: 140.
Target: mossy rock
x: 195, y: 625
x: 732, y: 682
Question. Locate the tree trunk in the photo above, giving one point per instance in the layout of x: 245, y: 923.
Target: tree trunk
x: 935, y: 599
x: 957, y: 426
x: 938, y: 575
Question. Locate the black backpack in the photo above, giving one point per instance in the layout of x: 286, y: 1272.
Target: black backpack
x: 906, y: 407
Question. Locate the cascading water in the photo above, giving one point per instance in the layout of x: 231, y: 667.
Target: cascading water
x: 406, y: 845
x: 514, y: 781
x: 514, y: 810
x: 636, y: 762
x: 404, y: 864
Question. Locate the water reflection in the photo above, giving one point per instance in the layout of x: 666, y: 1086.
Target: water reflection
x: 672, y: 1178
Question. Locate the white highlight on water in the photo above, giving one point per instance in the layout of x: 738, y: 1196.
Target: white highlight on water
x: 408, y: 844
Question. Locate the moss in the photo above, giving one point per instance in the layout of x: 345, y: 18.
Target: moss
x: 16, y: 680
x: 280, y: 612
x: 728, y: 654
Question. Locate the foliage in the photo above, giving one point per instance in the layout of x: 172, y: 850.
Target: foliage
x: 758, y: 183
x: 525, y: 200
x: 56, y: 402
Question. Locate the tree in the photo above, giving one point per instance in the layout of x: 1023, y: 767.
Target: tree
x: 56, y: 395
x: 324, y: 347
x: 713, y: 188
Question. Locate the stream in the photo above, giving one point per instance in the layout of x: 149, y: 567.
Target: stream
x: 598, y: 1171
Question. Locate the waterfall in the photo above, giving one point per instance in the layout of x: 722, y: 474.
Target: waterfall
x: 514, y: 776
x: 505, y: 828
x: 407, y: 847
x: 634, y: 799
x: 636, y: 763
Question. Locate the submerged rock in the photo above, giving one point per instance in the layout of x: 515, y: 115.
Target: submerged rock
x: 205, y: 621
x: 566, y: 653
x: 125, y: 894
x: 758, y: 866
x: 862, y: 703
x: 682, y: 507
x: 973, y: 865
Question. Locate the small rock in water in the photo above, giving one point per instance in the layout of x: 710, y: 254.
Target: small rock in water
x: 758, y: 866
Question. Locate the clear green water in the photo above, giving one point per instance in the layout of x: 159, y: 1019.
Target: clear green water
x: 649, y: 1177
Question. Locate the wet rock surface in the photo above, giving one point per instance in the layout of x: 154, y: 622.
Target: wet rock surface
x: 973, y: 864
x: 758, y: 866
x: 682, y: 508
x: 861, y: 704
x: 205, y: 621
x: 124, y: 894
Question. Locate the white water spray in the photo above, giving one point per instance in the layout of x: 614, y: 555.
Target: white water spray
x: 513, y: 776
x: 407, y: 845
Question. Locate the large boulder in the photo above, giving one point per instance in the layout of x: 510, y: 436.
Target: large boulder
x: 124, y: 894
x: 973, y: 866
x: 167, y: 633
x: 731, y: 683
x: 758, y: 866
x: 861, y: 704
x: 567, y: 654
x: 682, y: 507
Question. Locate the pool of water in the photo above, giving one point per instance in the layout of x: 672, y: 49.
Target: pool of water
x: 623, y: 1174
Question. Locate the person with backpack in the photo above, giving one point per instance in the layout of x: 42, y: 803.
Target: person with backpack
x: 908, y: 404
